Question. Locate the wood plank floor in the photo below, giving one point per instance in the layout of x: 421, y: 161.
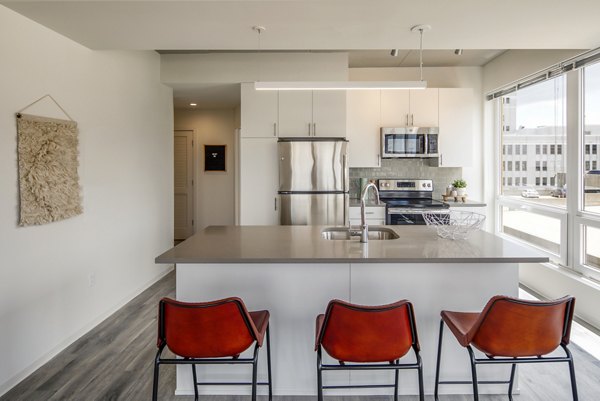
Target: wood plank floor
x: 114, y: 362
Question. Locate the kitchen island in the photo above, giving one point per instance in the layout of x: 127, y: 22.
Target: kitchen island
x: 293, y: 272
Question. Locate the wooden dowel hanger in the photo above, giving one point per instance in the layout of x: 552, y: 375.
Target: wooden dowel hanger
x: 43, y: 97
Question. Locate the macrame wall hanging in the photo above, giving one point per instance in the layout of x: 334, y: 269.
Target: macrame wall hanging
x: 48, y: 160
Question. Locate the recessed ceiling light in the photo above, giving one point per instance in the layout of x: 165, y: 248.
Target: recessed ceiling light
x: 193, y: 104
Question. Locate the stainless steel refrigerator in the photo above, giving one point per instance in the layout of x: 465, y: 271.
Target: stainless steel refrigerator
x: 313, y: 181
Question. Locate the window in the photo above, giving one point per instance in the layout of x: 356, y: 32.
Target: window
x: 539, y: 110
x: 517, y: 149
x: 591, y: 247
x: 591, y: 139
x: 504, y: 149
x: 594, y: 165
x: 510, y: 149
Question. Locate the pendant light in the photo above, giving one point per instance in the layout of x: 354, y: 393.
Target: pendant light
x: 352, y: 85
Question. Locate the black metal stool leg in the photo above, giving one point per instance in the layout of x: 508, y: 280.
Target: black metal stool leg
x: 319, y: 376
x: 421, y: 387
x: 474, y: 374
x: 396, y: 375
x: 572, y: 373
x: 438, y: 363
x: 254, y: 372
x: 195, y: 378
x: 269, y: 363
x: 155, y: 382
x: 512, y: 381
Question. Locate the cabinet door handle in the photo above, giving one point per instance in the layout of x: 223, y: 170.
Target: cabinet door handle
x: 314, y: 129
x: 275, y: 205
x: 379, y: 160
x: 308, y: 129
x: 274, y: 129
x: 441, y: 159
x: 407, y: 120
x: 412, y: 120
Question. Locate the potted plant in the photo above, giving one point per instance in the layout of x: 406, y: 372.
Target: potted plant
x: 460, y: 186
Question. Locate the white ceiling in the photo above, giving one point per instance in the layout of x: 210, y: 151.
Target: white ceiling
x: 367, y: 29
x: 324, y: 24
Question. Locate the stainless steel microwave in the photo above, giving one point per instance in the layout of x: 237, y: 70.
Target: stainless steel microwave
x: 409, y: 142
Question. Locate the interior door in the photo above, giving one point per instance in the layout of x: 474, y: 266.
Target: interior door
x: 183, y: 184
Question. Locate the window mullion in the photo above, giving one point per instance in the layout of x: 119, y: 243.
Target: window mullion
x: 574, y: 178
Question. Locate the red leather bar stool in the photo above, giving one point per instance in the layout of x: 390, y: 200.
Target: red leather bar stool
x: 211, y: 333
x: 374, y: 337
x: 511, y: 331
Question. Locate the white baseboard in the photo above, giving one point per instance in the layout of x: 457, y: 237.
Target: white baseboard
x: 23, y: 374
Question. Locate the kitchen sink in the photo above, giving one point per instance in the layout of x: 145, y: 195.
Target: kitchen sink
x: 375, y: 233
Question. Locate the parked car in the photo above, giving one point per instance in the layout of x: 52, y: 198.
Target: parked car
x: 559, y: 192
x: 530, y: 193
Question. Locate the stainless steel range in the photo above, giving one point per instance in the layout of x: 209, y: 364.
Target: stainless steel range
x: 407, y: 199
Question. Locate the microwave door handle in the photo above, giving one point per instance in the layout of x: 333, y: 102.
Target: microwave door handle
x: 426, y: 150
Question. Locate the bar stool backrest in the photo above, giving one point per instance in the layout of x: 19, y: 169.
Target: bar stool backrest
x: 512, y: 327
x: 356, y: 333
x: 205, y: 330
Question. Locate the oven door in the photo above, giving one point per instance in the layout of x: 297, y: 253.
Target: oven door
x: 405, y: 217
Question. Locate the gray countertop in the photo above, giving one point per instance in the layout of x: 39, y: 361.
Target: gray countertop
x: 304, y: 244
x: 467, y: 203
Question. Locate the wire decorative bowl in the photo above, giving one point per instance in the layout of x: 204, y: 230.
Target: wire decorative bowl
x: 454, y: 224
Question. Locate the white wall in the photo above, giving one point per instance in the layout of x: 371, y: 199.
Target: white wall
x: 516, y: 64
x: 126, y: 172
x: 441, y: 77
x: 249, y: 67
x: 214, y: 190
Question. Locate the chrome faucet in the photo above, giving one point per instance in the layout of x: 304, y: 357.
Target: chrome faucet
x: 364, y: 228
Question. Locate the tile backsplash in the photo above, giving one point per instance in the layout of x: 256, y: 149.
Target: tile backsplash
x: 406, y: 168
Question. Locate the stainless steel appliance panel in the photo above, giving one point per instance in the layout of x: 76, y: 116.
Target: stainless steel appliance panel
x: 406, y: 142
x: 314, y: 209
x: 313, y: 166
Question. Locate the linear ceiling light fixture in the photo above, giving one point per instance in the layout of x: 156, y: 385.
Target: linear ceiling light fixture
x: 352, y: 85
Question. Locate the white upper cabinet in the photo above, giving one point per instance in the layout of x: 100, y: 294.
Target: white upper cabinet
x: 424, y: 108
x: 329, y: 114
x: 395, y: 108
x: 457, y: 129
x: 258, y: 112
x: 312, y: 113
x: 401, y: 108
x: 363, y: 127
x: 295, y: 113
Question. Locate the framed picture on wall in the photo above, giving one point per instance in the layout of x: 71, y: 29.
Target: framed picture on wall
x: 214, y: 157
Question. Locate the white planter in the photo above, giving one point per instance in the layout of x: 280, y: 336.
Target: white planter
x: 461, y: 191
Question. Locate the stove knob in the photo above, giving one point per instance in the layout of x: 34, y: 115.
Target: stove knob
x: 424, y: 185
x: 429, y: 185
